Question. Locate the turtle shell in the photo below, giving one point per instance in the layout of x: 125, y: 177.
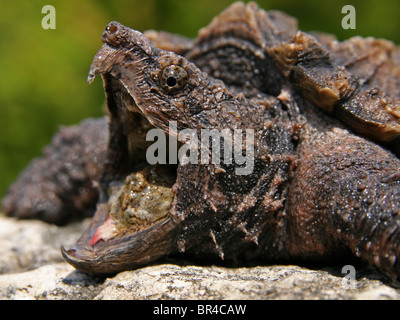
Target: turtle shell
x: 355, y: 81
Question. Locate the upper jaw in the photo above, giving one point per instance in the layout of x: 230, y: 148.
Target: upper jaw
x: 118, y: 39
x: 119, y: 64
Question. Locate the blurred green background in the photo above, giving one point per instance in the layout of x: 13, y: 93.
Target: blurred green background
x: 43, y: 72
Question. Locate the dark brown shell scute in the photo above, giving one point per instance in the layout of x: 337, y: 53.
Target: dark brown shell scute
x: 239, y: 66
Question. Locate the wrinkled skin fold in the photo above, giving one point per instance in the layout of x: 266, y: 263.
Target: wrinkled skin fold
x: 325, y: 183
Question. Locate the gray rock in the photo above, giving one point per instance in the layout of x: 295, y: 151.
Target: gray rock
x: 32, y: 268
x: 28, y: 244
x: 55, y: 281
x: 273, y: 282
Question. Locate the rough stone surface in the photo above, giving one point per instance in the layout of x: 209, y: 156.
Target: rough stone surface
x: 272, y: 282
x: 55, y: 281
x: 28, y: 244
x: 31, y: 267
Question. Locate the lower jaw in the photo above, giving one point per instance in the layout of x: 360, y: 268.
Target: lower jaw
x: 137, y: 240
x: 125, y: 253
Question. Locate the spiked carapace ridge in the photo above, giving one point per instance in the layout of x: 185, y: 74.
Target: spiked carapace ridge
x: 325, y: 184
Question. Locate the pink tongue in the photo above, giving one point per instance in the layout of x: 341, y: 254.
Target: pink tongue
x: 105, y: 232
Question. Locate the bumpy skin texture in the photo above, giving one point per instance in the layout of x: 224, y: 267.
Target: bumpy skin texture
x: 63, y: 183
x: 318, y: 191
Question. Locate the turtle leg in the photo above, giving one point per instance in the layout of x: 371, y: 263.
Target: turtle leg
x: 62, y: 182
x: 345, y: 195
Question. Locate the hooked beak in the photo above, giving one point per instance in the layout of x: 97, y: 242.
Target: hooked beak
x: 129, y: 252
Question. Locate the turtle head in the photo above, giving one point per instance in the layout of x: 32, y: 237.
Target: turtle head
x: 142, y: 209
x: 164, y: 86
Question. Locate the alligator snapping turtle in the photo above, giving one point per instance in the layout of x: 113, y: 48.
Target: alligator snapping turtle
x: 325, y: 178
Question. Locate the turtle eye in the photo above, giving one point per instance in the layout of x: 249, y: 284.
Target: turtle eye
x: 173, y: 79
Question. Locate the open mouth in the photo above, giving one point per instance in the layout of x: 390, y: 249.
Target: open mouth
x: 132, y: 225
x: 135, y: 203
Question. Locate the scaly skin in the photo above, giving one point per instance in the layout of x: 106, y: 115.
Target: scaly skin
x: 296, y: 204
x: 132, y: 60
x: 317, y: 192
